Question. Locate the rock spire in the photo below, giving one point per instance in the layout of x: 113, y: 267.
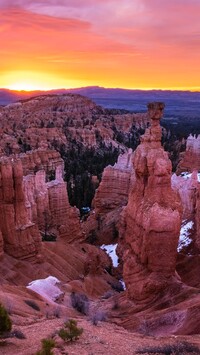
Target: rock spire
x: 152, y: 218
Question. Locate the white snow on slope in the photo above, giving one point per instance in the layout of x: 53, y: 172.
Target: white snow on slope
x: 187, y: 175
x: 110, y: 249
x: 185, y: 232
x: 46, y: 288
x: 123, y: 284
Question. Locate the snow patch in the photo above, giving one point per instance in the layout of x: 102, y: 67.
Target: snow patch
x: 110, y: 249
x: 185, y: 232
x: 123, y: 284
x: 187, y: 175
x: 46, y: 288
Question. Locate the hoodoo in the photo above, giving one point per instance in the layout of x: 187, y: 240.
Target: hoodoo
x: 151, y: 219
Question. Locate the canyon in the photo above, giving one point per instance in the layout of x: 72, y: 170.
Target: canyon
x: 138, y: 206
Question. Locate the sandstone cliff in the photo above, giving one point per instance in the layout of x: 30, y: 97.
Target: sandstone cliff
x: 33, y: 198
x: 46, y: 195
x: 187, y: 187
x: 87, y: 136
x: 152, y: 218
x: 57, y: 120
x: 110, y: 197
x: 20, y: 236
x: 191, y: 157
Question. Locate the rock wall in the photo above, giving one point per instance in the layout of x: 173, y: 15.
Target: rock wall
x: 34, y: 201
x: 20, y: 236
x: 187, y: 187
x: 191, y: 157
x: 47, y: 201
x: 114, y: 187
x: 151, y: 221
x: 110, y: 197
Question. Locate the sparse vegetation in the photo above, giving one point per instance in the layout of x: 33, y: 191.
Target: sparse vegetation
x: 17, y: 333
x: 32, y: 304
x: 57, y: 312
x: 47, y: 346
x: 99, y: 316
x: 5, y: 321
x: 171, y: 349
x: 70, y: 332
x: 80, y: 302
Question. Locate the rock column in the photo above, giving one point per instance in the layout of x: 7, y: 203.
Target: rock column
x: 152, y: 218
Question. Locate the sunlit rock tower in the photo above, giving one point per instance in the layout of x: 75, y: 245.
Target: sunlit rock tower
x: 152, y: 218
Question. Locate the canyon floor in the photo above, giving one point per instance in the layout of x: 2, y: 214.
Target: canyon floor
x: 105, y: 338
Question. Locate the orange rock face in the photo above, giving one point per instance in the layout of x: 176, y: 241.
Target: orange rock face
x: 187, y: 188
x: 33, y: 199
x: 151, y: 221
x: 47, y: 201
x: 191, y: 157
x: 21, y: 237
x: 110, y: 197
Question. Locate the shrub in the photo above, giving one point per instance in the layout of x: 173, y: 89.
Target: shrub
x: 17, y: 333
x: 47, y: 346
x: 80, y: 302
x: 57, y: 312
x: 98, y: 316
x: 32, y: 304
x: 70, y: 332
x: 5, y: 321
x: 174, y: 349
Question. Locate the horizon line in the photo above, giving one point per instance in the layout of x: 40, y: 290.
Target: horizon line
x: 191, y: 89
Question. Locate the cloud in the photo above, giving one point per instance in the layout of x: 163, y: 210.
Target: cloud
x: 150, y: 35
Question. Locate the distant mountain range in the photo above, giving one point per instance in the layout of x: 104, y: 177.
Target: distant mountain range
x: 184, y: 104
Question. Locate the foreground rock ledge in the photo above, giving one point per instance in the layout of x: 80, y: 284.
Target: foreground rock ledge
x: 151, y: 221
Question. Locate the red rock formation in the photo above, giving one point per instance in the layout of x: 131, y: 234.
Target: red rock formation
x: 152, y: 218
x: 187, y: 188
x: 47, y: 201
x: 114, y: 187
x: 191, y: 157
x: 1, y: 245
x: 197, y: 217
x: 57, y: 120
x: 125, y: 122
x: 110, y: 197
x: 21, y: 237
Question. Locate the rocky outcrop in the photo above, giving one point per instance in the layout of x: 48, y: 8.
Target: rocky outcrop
x: 114, y: 187
x: 20, y: 236
x: 34, y: 202
x: 151, y: 221
x: 46, y: 195
x: 110, y: 197
x: 197, y: 217
x: 191, y: 157
x: 187, y: 186
x: 59, y: 120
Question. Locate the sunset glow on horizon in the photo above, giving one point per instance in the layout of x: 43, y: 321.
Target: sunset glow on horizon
x: 134, y: 44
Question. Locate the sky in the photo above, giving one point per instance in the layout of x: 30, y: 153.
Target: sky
x: 135, y: 44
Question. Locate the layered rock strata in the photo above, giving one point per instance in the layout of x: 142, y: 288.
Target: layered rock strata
x: 187, y: 187
x: 151, y: 221
x: 46, y: 195
x: 20, y: 235
x: 110, y: 197
x: 34, y: 201
x: 191, y: 157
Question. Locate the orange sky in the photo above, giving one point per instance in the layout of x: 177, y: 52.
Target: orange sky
x: 113, y: 43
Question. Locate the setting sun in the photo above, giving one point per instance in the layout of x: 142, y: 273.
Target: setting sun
x: 30, y: 81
